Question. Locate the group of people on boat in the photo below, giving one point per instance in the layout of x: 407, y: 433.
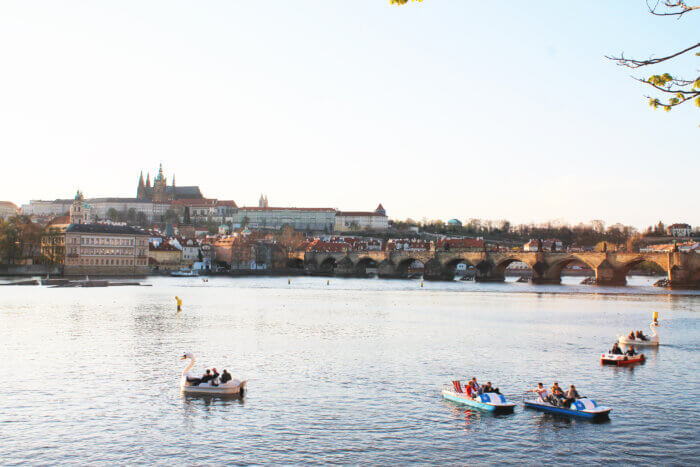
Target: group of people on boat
x: 473, y: 389
x: 637, y: 335
x: 556, y: 395
x: 210, y: 376
x: 616, y: 350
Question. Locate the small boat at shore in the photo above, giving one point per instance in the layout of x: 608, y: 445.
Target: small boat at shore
x: 621, y: 360
x: 185, y: 273
x: 490, y: 401
x: 581, y: 408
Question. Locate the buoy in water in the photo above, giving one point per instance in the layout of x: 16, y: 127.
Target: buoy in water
x: 289, y: 281
x: 421, y: 283
x: 328, y: 282
x: 179, y: 303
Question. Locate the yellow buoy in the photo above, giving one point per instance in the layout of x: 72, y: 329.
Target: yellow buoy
x: 289, y: 281
x: 328, y: 282
x: 179, y: 303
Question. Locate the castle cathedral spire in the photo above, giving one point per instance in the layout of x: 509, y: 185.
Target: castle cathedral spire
x: 148, y: 180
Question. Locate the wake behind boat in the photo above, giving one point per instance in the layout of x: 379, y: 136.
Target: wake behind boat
x: 193, y: 385
x: 489, y: 401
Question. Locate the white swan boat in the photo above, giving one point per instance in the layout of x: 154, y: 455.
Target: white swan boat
x: 652, y: 340
x: 229, y: 388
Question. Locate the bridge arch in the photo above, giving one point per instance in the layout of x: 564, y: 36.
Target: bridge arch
x: 499, y: 268
x: 328, y: 265
x: 661, y: 262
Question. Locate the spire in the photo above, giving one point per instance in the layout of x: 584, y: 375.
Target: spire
x: 148, y: 180
x: 160, y: 172
x: 141, y: 185
x: 173, y: 179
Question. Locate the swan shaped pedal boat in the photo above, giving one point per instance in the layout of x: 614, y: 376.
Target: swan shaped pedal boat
x: 230, y: 388
x: 489, y: 401
x: 582, y: 408
x: 652, y: 340
x: 621, y: 360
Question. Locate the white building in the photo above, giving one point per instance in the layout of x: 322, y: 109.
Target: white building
x: 8, y: 209
x: 680, y: 230
x: 349, y: 221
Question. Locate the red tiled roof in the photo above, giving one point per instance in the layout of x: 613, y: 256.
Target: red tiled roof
x: 194, y: 202
x: 360, y: 214
x: 230, y: 202
x: 60, y: 220
x: 286, y: 209
x: 164, y: 246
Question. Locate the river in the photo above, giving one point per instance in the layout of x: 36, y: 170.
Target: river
x: 348, y: 371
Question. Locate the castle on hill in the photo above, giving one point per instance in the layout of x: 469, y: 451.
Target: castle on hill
x: 161, y: 192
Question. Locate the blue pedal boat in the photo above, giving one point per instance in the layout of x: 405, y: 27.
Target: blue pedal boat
x: 490, y: 401
x: 581, y: 408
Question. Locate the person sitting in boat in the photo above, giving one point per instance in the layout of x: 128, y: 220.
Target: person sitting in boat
x: 214, y: 377
x: 631, y: 336
x: 476, y: 389
x: 557, y: 394
x: 489, y: 388
x: 616, y: 350
x: 640, y: 335
x: 541, y: 391
x: 571, y: 396
x: 225, y: 376
x: 630, y: 352
x: 206, y: 377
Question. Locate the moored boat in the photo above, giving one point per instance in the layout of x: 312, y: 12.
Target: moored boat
x: 621, y: 360
x: 581, y: 408
x: 490, y: 401
x: 646, y: 341
x: 185, y: 273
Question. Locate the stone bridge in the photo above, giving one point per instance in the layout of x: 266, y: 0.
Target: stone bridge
x: 611, y: 268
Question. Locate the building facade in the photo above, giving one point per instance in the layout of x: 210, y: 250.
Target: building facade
x: 680, y: 230
x: 107, y: 250
x: 8, y: 209
x: 352, y: 221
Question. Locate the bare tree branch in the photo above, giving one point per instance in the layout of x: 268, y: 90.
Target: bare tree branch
x: 634, y: 63
x: 681, y: 5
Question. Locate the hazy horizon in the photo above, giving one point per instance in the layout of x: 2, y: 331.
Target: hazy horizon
x: 438, y: 110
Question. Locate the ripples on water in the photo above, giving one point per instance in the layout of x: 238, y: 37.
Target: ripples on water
x: 347, y: 373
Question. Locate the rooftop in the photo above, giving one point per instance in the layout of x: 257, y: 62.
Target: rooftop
x: 104, y: 229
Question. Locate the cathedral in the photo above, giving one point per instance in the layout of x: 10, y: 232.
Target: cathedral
x: 160, y: 192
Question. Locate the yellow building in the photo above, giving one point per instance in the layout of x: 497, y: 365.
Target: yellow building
x: 164, y: 257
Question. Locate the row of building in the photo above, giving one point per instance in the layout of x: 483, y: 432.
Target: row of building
x: 161, y: 202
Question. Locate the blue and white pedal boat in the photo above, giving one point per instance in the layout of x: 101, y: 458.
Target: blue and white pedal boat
x: 582, y: 408
x: 491, y: 401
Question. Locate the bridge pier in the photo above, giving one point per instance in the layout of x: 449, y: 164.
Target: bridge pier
x: 606, y: 274
x: 386, y: 270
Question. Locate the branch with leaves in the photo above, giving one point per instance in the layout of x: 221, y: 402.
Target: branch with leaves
x: 683, y: 90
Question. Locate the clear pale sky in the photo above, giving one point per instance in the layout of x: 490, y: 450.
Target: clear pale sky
x: 438, y: 109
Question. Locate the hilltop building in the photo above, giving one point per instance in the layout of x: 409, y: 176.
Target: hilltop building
x: 160, y: 192
x: 80, y: 210
x: 680, y: 230
x: 349, y: 221
x: 8, y: 209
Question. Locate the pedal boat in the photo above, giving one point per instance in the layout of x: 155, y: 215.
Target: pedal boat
x: 650, y: 341
x: 490, y: 401
x: 581, y: 408
x: 235, y: 387
x: 621, y: 360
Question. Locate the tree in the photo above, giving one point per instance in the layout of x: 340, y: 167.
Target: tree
x: 112, y: 214
x: 171, y: 216
x: 141, y: 219
x: 131, y: 215
x: 676, y: 90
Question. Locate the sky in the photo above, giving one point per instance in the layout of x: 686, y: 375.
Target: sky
x: 441, y: 109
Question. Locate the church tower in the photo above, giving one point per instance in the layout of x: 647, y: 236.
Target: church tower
x: 79, y: 210
x: 160, y: 185
x: 141, y: 190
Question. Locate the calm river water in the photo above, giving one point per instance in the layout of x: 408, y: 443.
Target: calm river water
x: 343, y: 373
